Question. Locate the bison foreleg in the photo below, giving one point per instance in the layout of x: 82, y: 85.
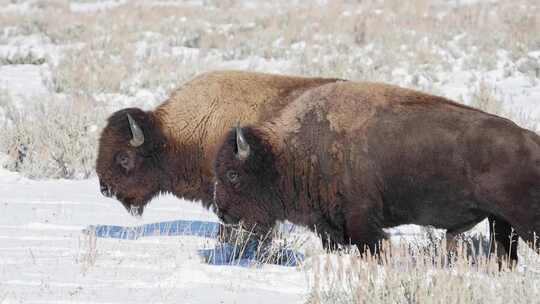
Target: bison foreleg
x: 504, y: 240
x: 331, y: 238
x: 364, y: 231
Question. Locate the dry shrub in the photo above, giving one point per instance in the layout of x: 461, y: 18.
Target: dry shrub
x: 279, y: 246
x: 397, y: 32
x: 412, y: 274
x: 56, y: 138
x: 486, y: 98
x: 90, y: 70
x: 88, y: 252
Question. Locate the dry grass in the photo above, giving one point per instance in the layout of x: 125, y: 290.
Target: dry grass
x: 277, y: 247
x: 417, y: 35
x: 52, y: 139
x: 488, y: 98
x: 88, y: 252
x: 415, y: 274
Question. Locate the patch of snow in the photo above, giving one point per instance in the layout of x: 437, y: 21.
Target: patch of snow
x: 188, y: 54
x: 457, y: 3
x: 298, y: 46
x: 174, y: 3
x: 34, y: 49
x: 20, y: 8
x: 142, y: 98
x: 31, y: 44
x: 257, y: 64
x: 23, y: 82
x: 45, y: 258
x: 91, y: 7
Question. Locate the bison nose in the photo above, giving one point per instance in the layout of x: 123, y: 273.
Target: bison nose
x: 105, y: 190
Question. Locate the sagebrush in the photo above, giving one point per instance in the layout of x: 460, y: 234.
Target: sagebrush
x: 135, y: 53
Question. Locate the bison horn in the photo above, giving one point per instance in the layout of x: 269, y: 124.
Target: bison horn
x: 241, y: 144
x: 138, y: 136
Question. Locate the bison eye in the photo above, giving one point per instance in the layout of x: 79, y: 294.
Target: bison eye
x: 232, y: 176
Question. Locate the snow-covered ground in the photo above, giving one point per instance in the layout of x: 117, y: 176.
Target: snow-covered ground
x: 45, y: 257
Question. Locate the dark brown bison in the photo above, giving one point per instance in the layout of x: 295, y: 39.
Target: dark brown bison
x: 348, y: 159
x: 170, y: 150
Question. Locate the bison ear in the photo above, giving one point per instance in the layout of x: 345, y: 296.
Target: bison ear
x: 241, y: 144
x: 136, y: 132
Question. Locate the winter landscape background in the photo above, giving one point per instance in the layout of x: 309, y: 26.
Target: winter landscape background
x: 66, y: 65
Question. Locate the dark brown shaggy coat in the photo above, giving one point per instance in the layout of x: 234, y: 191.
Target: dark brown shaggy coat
x: 182, y: 133
x: 349, y: 159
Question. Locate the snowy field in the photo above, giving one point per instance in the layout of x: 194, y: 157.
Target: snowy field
x: 66, y: 65
x: 44, y: 257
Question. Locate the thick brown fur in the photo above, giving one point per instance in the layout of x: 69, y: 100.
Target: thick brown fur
x: 182, y: 133
x: 348, y: 159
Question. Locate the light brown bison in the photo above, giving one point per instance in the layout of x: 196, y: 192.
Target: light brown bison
x: 170, y: 149
x: 348, y: 159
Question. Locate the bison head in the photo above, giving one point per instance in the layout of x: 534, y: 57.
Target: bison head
x: 246, y: 181
x: 128, y: 164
